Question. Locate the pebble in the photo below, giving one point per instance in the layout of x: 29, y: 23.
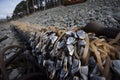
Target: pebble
x: 79, y: 14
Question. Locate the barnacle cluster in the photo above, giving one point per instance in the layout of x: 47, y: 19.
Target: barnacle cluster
x: 73, y: 54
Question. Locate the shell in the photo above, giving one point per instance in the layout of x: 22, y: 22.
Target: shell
x: 69, y: 32
x: 84, y: 77
x: 75, y: 35
x: 70, y: 40
x: 65, y: 64
x: 84, y: 70
x: 95, y: 70
x: 63, y: 74
x: 81, y: 34
x: 58, y: 64
x: 40, y: 58
x: 60, y: 44
x: 115, y: 65
x: 92, y: 62
x: 53, y: 38
x: 75, y: 66
x: 70, y: 49
x: 70, y: 60
x: 81, y: 51
x: 82, y: 43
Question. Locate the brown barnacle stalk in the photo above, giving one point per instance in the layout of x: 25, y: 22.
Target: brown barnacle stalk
x: 116, y: 43
x: 86, y: 50
x: 65, y: 64
x: 103, y: 53
x: 75, y: 29
x: 112, y: 51
x: 54, y: 29
x: 106, y: 70
x: 97, y: 54
x: 52, y: 74
x: 75, y: 53
x: 101, y: 48
x: 115, y: 40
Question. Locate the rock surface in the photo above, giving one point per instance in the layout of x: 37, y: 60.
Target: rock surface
x: 5, y: 31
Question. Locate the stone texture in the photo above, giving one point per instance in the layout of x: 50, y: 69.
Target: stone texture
x: 101, y: 11
x: 5, y: 30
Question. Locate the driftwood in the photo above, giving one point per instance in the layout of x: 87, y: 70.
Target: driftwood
x: 100, y: 30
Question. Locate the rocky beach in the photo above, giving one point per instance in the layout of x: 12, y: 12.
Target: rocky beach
x: 105, y: 12
x: 41, y: 48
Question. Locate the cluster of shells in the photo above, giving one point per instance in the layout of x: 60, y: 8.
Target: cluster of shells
x: 73, y: 54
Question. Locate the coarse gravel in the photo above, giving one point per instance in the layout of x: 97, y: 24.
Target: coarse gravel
x: 105, y: 12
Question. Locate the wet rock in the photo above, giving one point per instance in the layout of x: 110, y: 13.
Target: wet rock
x: 117, y: 16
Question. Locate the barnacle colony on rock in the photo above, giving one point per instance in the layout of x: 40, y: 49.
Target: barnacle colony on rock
x: 74, y: 54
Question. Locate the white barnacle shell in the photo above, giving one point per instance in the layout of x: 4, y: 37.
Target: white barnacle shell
x: 40, y: 59
x: 84, y: 70
x: 82, y: 42
x: 63, y: 74
x: 75, y: 66
x: 45, y: 38
x: 60, y: 44
x: 31, y: 39
x: 70, y: 49
x: 75, y: 35
x: 53, y: 38
x: 50, y: 66
x: 65, y: 62
x: 70, y: 40
x: 84, y: 77
x: 43, y: 47
x: 81, y: 34
x: 69, y: 32
x: 58, y: 64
